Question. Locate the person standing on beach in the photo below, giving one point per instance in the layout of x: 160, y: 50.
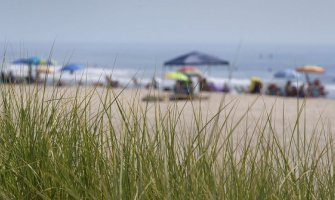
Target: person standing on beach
x: 290, y: 90
x: 226, y: 88
x: 255, y: 86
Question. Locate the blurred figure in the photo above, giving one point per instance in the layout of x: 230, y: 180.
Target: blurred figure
x: 294, y: 91
x: 60, y: 83
x: 203, y: 84
x: 255, y: 85
x: 110, y: 82
x: 183, y: 87
x: 11, y: 77
x: 290, y: 90
x: 153, y: 84
x: 135, y: 81
x: 317, y: 89
x: 195, y: 85
x: 177, y: 87
x: 3, y: 77
x: 301, y: 91
x: 207, y: 86
x: 226, y: 88
x: 274, y: 90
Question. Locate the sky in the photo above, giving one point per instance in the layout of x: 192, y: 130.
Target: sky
x: 169, y: 21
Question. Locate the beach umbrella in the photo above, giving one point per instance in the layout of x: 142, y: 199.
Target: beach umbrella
x: 190, y: 71
x: 35, y: 60
x: 255, y: 79
x: 20, y: 61
x: 72, y: 67
x: 311, y: 69
x: 195, y: 58
x: 287, y: 74
x: 187, y: 68
x: 32, y: 61
x: 255, y: 85
x: 47, y: 62
x: 177, y: 76
x: 44, y: 69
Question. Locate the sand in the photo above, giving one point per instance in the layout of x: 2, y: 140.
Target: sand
x: 246, y: 114
x: 282, y: 110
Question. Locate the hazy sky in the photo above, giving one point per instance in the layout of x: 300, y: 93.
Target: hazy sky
x: 168, y: 21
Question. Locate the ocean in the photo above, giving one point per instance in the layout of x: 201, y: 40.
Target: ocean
x: 144, y: 61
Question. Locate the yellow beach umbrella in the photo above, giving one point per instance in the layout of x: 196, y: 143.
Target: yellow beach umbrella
x: 256, y: 79
x: 177, y: 76
x: 255, y: 84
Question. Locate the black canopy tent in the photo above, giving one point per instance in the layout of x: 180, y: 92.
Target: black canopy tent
x: 196, y: 58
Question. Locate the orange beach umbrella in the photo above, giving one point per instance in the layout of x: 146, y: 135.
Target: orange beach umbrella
x: 311, y: 69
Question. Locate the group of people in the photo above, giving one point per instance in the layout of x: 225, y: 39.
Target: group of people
x: 313, y: 89
x: 197, y: 85
x: 10, y: 78
x: 184, y: 87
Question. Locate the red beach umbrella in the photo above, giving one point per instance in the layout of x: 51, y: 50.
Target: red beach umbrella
x: 190, y: 71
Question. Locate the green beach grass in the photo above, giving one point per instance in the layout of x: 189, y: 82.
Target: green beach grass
x: 55, y: 147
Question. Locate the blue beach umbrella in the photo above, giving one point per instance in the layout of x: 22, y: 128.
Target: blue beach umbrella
x: 287, y: 74
x: 34, y: 60
x: 72, y: 67
x: 20, y: 61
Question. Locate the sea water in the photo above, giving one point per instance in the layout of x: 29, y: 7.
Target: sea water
x: 145, y: 61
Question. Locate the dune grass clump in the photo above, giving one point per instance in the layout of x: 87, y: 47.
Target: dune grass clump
x: 53, y: 146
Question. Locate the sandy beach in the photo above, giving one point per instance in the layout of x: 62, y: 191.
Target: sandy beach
x: 249, y: 114
x: 245, y: 113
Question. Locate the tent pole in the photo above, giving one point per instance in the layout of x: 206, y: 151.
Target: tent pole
x: 163, y: 77
x: 307, y: 78
x: 230, y: 72
x: 230, y: 76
